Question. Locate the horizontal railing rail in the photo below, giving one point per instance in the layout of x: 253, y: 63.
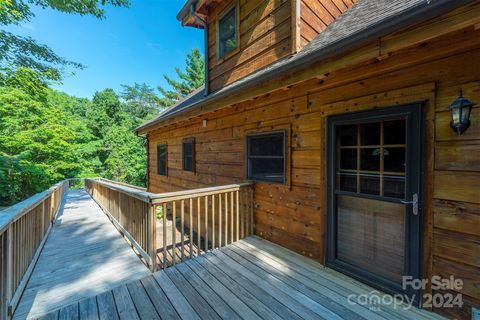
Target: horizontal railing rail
x: 163, y: 228
x: 166, y: 228
x: 202, y: 220
x: 131, y: 211
x: 24, y: 228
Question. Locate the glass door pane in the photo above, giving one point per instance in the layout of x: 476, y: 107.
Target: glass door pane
x: 370, y: 219
x: 371, y: 235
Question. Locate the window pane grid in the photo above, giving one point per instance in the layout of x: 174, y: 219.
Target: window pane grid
x: 268, y: 163
x: 189, y: 155
x: 227, y: 32
x: 162, y: 159
x: 366, y: 164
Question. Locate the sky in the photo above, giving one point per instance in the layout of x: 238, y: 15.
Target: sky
x: 136, y: 44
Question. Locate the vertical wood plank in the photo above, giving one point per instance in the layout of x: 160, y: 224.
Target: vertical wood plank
x: 226, y: 218
x: 190, y: 216
x: 251, y: 205
x: 231, y: 217
x: 174, y: 236
x: 213, y: 221
x: 242, y: 213
x: 206, y: 223
x: 9, y: 267
x: 238, y: 215
x: 164, y: 227
x: 198, y: 226
x: 182, y: 228
x: 152, y: 234
x: 220, y: 219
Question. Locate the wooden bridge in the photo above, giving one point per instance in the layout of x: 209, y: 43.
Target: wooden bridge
x: 96, y: 254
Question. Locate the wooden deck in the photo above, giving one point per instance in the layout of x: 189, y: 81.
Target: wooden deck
x: 84, y: 256
x: 250, y: 279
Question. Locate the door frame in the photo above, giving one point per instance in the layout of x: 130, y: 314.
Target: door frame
x: 414, y: 114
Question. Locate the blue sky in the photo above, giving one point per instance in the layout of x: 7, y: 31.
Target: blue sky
x: 136, y: 44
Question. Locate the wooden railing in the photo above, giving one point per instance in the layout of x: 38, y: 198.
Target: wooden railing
x: 170, y: 227
x: 23, y: 230
x: 131, y: 211
x: 163, y: 229
x: 202, y: 220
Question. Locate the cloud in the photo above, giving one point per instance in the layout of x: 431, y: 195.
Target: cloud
x: 28, y: 26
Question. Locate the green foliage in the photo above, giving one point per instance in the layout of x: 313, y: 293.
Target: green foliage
x: 47, y: 136
x: 192, y: 78
x: 141, y: 101
x: 17, y: 51
x: 38, y: 140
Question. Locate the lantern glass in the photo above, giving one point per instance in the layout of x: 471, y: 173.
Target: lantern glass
x: 455, y: 116
x: 465, y: 114
x: 460, y: 114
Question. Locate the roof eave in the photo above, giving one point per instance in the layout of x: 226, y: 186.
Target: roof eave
x: 185, y: 10
x: 425, y: 11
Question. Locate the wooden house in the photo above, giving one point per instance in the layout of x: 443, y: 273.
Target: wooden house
x: 340, y: 111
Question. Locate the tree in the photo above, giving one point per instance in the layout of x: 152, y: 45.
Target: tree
x: 39, y: 141
x: 192, y: 78
x: 17, y: 51
x: 141, y: 101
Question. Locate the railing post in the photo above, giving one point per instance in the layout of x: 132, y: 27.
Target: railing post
x: 42, y: 227
x: 152, y: 237
x: 9, y: 273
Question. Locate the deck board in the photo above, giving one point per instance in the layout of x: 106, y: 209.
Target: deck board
x: 84, y: 255
x: 87, y: 271
x: 249, y: 279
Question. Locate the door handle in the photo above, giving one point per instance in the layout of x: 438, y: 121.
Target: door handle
x: 414, y: 203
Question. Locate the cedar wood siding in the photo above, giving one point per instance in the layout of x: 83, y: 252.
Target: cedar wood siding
x: 316, y: 15
x: 293, y: 215
x: 269, y: 31
x: 265, y: 36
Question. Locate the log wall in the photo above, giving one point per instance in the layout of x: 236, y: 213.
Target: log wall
x: 316, y: 15
x: 265, y: 36
x: 432, y: 69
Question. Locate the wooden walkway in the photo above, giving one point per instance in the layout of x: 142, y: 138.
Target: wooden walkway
x: 250, y: 279
x: 84, y: 256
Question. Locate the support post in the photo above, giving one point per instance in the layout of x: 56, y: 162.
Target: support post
x: 152, y: 237
x: 9, y: 273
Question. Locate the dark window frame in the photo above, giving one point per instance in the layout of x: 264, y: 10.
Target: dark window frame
x: 251, y: 136
x: 414, y: 234
x: 184, y: 142
x: 165, y: 167
x: 222, y: 52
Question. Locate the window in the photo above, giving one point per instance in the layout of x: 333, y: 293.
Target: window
x: 371, y: 158
x: 162, y: 159
x: 189, y: 154
x: 227, y: 32
x: 266, y: 157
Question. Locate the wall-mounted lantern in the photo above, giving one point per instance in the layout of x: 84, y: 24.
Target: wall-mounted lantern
x: 460, y: 114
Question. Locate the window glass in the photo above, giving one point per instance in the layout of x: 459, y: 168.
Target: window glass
x: 227, y: 36
x: 162, y: 159
x: 266, y: 157
x: 371, y: 158
x: 189, y: 155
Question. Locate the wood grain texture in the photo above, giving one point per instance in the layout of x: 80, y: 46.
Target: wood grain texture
x: 250, y: 279
x: 430, y: 70
x: 265, y: 35
x: 84, y: 255
x: 316, y: 15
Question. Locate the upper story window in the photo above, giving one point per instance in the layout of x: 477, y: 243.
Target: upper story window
x: 162, y: 159
x: 266, y: 157
x: 227, y: 32
x: 189, y: 154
